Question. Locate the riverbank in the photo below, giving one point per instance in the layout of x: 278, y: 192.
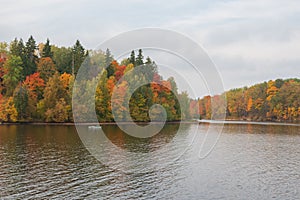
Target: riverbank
x: 146, y: 123
x: 91, y: 123
x: 237, y: 122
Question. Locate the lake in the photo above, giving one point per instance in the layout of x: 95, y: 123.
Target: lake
x: 250, y: 161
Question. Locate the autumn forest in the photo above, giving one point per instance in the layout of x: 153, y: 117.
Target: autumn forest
x: 36, y: 84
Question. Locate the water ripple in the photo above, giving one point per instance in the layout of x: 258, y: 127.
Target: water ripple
x: 249, y: 162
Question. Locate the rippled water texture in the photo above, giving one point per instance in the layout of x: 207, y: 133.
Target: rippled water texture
x: 249, y: 162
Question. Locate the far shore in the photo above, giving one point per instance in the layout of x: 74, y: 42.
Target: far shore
x: 247, y: 122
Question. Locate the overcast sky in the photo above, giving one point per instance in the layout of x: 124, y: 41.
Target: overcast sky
x: 250, y: 41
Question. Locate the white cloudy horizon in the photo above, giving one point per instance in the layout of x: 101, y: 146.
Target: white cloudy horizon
x: 249, y: 41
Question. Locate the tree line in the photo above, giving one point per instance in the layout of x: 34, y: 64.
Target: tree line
x: 36, y: 83
x: 275, y: 100
x: 36, y: 80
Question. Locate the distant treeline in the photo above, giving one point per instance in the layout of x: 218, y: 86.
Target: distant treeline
x: 36, y: 83
x: 277, y: 100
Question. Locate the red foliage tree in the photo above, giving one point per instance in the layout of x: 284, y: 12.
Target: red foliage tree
x: 119, y: 71
x: 35, y: 85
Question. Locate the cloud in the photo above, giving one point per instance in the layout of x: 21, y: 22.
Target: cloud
x: 248, y: 40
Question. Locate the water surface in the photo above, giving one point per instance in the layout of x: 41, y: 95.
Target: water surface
x: 250, y: 161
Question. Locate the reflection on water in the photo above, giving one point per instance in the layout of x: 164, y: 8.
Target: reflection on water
x: 133, y: 144
x: 249, y: 162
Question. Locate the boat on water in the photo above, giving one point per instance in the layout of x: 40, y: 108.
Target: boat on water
x: 94, y: 127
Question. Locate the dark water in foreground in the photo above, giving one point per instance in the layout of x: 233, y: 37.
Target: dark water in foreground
x: 249, y: 162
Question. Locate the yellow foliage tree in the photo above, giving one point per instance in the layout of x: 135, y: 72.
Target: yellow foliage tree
x: 272, y: 90
x: 8, y: 112
x: 65, y: 80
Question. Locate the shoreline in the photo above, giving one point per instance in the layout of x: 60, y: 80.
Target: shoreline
x: 203, y: 121
x: 90, y: 123
x: 241, y: 122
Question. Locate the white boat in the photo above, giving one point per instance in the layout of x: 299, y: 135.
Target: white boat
x: 94, y: 127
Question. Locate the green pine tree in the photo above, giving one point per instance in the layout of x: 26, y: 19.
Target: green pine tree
x: 148, y: 61
x: 30, y: 57
x: 132, y: 57
x: 47, y: 50
x: 140, y: 57
x: 108, y: 59
x: 79, y: 55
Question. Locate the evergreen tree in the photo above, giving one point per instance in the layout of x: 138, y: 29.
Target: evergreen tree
x: 140, y: 57
x: 13, y: 47
x: 30, y: 57
x: 17, y: 48
x: 47, y: 50
x: 21, y: 50
x: 132, y: 57
x: 148, y: 61
x: 108, y: 60
x: 79, y: 55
